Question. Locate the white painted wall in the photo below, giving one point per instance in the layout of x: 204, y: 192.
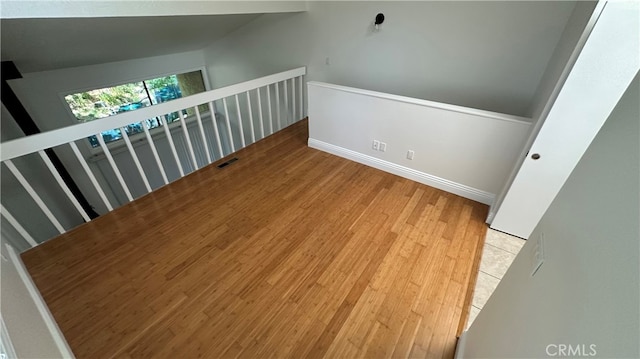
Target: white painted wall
x: 486, y: 55
x: 31, y: 328
x: 568, y: 41
x: 586, y: 292
x: 465, y: 151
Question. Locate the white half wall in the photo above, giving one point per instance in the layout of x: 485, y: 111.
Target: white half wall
x: 586, y: 291
x: 461, y: 150
x: 30, y: 326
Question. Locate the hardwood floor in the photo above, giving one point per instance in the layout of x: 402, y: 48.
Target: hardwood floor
x: 288, y: 252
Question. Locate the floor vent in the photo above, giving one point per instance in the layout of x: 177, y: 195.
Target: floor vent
x: 225, y: 164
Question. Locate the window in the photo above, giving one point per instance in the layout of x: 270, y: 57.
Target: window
x: 109, y: 101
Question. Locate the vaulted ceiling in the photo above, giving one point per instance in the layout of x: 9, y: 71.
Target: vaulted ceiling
x: 39, y: 44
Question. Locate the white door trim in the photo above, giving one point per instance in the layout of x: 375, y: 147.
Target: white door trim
x: 547, y: 107
x: 601, y: 74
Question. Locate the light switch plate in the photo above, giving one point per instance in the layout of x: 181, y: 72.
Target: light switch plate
x: 410, y: 154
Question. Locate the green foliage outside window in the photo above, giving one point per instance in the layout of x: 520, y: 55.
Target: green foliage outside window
x: 105, y: 102
x: 162, y: 82
x: 91, y: 105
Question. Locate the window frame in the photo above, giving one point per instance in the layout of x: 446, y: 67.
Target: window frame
x: 115, y: 145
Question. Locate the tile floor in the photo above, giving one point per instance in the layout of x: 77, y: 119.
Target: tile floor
x: 500, y: 249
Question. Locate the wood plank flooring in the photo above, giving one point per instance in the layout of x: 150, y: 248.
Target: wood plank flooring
x: 288, y: 252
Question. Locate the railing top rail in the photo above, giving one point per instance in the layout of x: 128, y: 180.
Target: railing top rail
x: 34, y: 143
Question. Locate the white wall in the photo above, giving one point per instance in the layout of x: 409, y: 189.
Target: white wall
x: 561, y: 55
x: 586, y: 292
x: 32, y: 334
x: 486, y: 55
x: 464, y: 151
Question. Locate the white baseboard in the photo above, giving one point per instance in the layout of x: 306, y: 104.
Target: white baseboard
x: 491, y: 216
x: 460, y: 345
x: 406, y: 172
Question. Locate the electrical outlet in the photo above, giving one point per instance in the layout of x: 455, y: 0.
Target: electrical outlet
x: 383, y: 146
x: 537, y: 255
x: 410, y: 154
x: 376, y: 145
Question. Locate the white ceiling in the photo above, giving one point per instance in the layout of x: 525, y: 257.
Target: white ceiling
x: 54, y: 43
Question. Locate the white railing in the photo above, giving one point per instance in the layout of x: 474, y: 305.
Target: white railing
x: 248, y: 123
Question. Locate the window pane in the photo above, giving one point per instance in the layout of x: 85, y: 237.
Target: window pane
x: 105, y: 102
x: 163, y: 89
x: 191, y: 83
x: 94, y: 104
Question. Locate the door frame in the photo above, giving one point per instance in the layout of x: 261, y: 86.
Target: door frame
x: 509, y: 206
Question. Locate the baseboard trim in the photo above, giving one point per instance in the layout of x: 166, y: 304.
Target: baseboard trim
x: 47, y: 317
x: 491, y: 216
x: 462, y: 340
x: 406, y: 172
